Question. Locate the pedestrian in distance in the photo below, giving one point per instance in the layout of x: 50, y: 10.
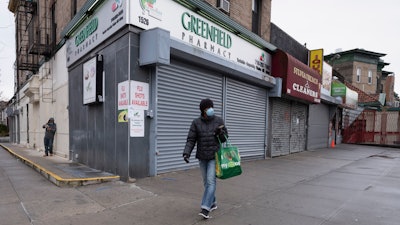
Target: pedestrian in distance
x: 50, y: 130
x: 205, y: 131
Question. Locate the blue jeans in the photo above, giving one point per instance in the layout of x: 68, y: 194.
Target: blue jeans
x: 48, y: 145
x: 207, y: 168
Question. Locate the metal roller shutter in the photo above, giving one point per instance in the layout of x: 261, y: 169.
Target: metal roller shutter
x: 280, y: 131
x: 298, y: 127
x: 246, y: 118
x: 318, y: 126
x: 289, y: 120
x: 179, y: 92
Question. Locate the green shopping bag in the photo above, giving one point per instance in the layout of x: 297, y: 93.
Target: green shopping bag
x: 227, y: 161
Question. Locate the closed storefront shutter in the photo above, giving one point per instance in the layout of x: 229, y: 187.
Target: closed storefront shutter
x: 318, y: 126
x: 298, y: 127
x: 179, y: 92
x: 289, y: 120
x: 246, y: 118
x: 280, y: 127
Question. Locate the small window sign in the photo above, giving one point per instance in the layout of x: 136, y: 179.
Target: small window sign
x: 93, y: 80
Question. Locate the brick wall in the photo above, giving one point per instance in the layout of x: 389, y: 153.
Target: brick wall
x: 345, y: 69
x: 363, y: 84
x: 63, y: 16
x: 266, y: 20
x: 212, y: 2
x: 241, y: 12
x: 388, y: 88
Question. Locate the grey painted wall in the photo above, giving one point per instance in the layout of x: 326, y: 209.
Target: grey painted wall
x: 139, y: 147
x: 100, y: 141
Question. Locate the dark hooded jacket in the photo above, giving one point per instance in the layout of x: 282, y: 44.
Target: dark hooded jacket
x: 51, y: 129
x: 203, y: 132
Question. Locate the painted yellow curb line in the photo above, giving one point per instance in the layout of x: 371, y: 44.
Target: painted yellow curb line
x: 58, y: 178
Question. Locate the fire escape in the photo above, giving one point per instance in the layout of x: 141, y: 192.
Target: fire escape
x: 35, y: 43
x: 25, y: 61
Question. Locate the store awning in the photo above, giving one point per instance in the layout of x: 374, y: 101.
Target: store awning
x: 299, y: 80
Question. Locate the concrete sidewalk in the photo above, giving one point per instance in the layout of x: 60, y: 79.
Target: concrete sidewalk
x: 58, y: 170
x: 350, y: 184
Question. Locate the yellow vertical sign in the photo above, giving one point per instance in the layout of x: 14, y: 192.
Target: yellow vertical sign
x: 316, y: 59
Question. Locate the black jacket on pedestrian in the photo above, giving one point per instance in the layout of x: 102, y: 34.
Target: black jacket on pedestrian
x: 204, y: 132
x: 51, y: 129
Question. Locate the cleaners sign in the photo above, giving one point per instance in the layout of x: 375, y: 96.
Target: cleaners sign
x: 299, y: 80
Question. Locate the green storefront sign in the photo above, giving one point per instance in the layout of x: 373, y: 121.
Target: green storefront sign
x: 89, y: 29
x: 202, y: 29
x: 338, y: 89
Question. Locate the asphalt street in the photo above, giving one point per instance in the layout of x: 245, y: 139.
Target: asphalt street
x: 350, y: 184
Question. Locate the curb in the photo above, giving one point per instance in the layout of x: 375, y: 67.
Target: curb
x: 56, y: 179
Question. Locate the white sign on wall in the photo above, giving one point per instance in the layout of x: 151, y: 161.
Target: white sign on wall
x: 326, y: 79
x: 123, y: 95
x: 133, y: 93
x: 89, y: 81
x: 139, y: 95
x: 183, y: 24
x: 199, y: 32
x: 104, y: 22
x: 136, y: 123
x: 351, y: 98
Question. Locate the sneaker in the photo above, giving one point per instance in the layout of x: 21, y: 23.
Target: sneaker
x: 204, y: 213
x: 45, y: 155
x: 213, y: 207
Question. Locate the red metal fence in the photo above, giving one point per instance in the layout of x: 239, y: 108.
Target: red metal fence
x: 371, y: 127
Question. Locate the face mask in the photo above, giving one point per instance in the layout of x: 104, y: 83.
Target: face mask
x: 210, y: 112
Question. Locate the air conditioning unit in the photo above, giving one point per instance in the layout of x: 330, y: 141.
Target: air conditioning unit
x: 223, y: 5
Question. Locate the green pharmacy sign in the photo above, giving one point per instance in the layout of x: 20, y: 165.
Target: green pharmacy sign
x: 89, y: 29
x: 201, y: 28
x: 338, y: 89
